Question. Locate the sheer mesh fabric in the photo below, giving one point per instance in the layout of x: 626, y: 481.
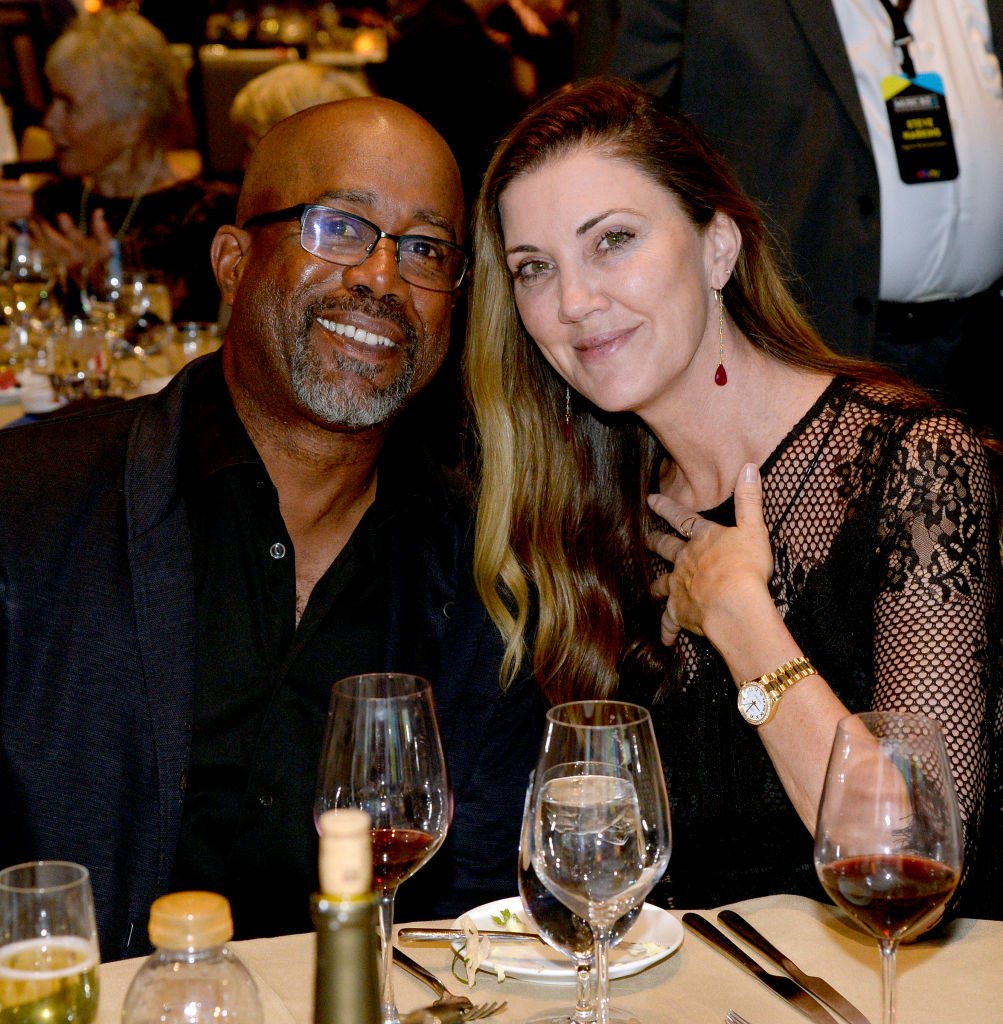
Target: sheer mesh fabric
x: 885, y: 534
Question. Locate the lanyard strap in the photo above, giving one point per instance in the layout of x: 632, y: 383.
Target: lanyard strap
x: 902, y: 35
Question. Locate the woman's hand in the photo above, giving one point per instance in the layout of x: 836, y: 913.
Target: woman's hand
x: 717, y: 570
x: 68, y: 245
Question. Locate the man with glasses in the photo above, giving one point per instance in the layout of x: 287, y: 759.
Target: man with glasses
x: 185, y: 575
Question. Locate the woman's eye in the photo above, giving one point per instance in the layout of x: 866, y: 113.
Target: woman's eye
x: 530, y: 269
x: 614, y: 239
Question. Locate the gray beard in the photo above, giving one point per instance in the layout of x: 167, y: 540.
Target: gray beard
x: 344, y: 401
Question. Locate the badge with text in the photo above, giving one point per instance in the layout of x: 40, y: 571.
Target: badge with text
x: 921, y: 129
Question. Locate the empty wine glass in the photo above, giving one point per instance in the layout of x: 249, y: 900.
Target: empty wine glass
x: 601, y: 836
x: 888, y: 844
x: 563, y: 930
x: 382, y: 753
x: 48, y: 944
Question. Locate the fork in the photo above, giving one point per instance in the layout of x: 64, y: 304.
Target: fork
x: 446, y: 1000
x: 734, y: 1018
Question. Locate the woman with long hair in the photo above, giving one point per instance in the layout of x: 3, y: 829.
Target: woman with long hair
x: 688, y: 499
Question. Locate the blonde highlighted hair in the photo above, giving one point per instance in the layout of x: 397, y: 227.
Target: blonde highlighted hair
x: 559, y: 555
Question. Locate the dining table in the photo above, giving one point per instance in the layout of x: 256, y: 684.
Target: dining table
x: 955, y: 977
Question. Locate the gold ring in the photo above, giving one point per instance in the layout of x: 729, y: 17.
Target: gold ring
x: 687, y: 531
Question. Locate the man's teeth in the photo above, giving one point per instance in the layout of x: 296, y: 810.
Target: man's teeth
x: 356, y: 333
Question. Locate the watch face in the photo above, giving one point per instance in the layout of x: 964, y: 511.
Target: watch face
x: 754, y: 703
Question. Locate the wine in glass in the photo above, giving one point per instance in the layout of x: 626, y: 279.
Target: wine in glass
x: 382, y: 753
x: 563, y: 930
x: 888, y: 843
x: 48, y: 944
x: 600, y: 835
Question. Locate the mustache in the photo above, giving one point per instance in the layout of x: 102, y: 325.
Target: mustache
x: 379, y: 308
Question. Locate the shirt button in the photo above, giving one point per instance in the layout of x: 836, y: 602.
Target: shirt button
x: 277, y: 550
x: 265, y: 800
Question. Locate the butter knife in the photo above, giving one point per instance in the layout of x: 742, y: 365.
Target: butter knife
x: 818, y: 987
x: 452, y: 934
x: 783, y: 987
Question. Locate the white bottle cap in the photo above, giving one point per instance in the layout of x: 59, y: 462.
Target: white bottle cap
x: 346, y: 853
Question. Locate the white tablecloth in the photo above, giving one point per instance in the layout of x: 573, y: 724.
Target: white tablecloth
x: 955, y: 979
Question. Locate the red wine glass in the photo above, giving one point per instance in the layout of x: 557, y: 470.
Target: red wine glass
x: 382, y: 753
x: 888, y: 843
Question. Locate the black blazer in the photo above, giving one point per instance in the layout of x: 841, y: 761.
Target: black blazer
x: 98, y: 665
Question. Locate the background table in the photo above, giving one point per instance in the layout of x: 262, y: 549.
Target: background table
x: 955, y: 979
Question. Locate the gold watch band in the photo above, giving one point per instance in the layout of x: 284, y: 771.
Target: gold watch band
x: 783, y: 678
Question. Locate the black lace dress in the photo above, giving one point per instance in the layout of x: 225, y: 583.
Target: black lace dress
x: 885, y: 534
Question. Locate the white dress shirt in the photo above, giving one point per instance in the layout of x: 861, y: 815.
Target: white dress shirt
x: 938, y: 239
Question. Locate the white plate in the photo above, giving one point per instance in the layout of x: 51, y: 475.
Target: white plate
x: 536, y: 961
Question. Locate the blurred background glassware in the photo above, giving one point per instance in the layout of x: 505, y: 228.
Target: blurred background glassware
x: 564, y: 930
x: 48, y: 944
x: 81, y: 360
x: 382, y: 753
x: 888, y: 843
x: 181, y: 343
x: 601, y: 835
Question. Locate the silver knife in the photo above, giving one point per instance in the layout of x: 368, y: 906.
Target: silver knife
x: 817, y: 987
x: 784, y: 987
x: 451, y: 934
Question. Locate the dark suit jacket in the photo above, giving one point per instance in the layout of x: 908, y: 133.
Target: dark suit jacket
x: 98, y: 665
x: 771, y: 81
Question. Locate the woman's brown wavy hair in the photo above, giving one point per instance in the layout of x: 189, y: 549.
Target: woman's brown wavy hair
x: 559, y: 557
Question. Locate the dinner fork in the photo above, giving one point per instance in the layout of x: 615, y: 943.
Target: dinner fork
x: 734, y: 1018
x: 446, y: 1000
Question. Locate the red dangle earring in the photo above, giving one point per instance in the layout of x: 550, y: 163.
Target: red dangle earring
x: 720, y: 374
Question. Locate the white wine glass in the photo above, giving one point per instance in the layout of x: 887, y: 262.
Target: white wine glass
x: 48, y: 944
x: 382, y: 753
x: 888, y: 843
x: 601, y: 835
x: 563, y: 930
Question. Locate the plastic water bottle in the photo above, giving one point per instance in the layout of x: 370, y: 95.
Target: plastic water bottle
x: 193, y: 977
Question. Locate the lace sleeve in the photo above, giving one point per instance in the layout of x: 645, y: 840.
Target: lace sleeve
x: 937, y: 637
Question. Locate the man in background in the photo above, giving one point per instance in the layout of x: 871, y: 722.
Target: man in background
x: 184, y: 576
x: 800, y: 96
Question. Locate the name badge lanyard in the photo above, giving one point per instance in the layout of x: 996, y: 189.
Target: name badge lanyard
x: 917, y: 112
x: 903, y: 37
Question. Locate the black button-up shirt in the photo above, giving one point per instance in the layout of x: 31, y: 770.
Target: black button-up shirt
x: 263, y: 681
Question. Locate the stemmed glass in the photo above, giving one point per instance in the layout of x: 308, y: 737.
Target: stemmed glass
x: 563, y: 930
x: 600, y: 837
x: 888, y: 846
x: 48, y: 944
x: 382, y: 753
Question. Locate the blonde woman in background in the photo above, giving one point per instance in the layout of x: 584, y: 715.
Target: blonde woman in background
x: 284, y: 90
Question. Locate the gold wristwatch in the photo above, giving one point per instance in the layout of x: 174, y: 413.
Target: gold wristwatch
x: 758, y: 698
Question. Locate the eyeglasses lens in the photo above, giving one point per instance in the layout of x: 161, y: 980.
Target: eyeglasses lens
x: 348, y: 241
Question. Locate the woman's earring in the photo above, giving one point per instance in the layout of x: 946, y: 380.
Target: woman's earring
x: 720, y: 374
x: 567, y: 413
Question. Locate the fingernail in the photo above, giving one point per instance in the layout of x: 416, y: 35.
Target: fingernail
x: 652, y: 498
x: 750, y: 473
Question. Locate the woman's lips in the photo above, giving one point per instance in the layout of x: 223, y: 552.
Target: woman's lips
x: 599, y: 346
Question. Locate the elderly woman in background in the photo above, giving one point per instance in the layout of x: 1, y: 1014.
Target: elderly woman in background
x: 633, y: 352
x: 118, y: 96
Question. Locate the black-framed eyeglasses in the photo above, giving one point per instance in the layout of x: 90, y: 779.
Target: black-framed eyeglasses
x: 349, y: 240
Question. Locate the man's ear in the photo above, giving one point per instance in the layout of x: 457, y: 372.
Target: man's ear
x: 227, y: 253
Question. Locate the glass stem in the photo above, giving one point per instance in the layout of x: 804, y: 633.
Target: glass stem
x: 888, y: 981
x: 602, y: 934
x: 385, y: 901
x: 584, y: 1012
